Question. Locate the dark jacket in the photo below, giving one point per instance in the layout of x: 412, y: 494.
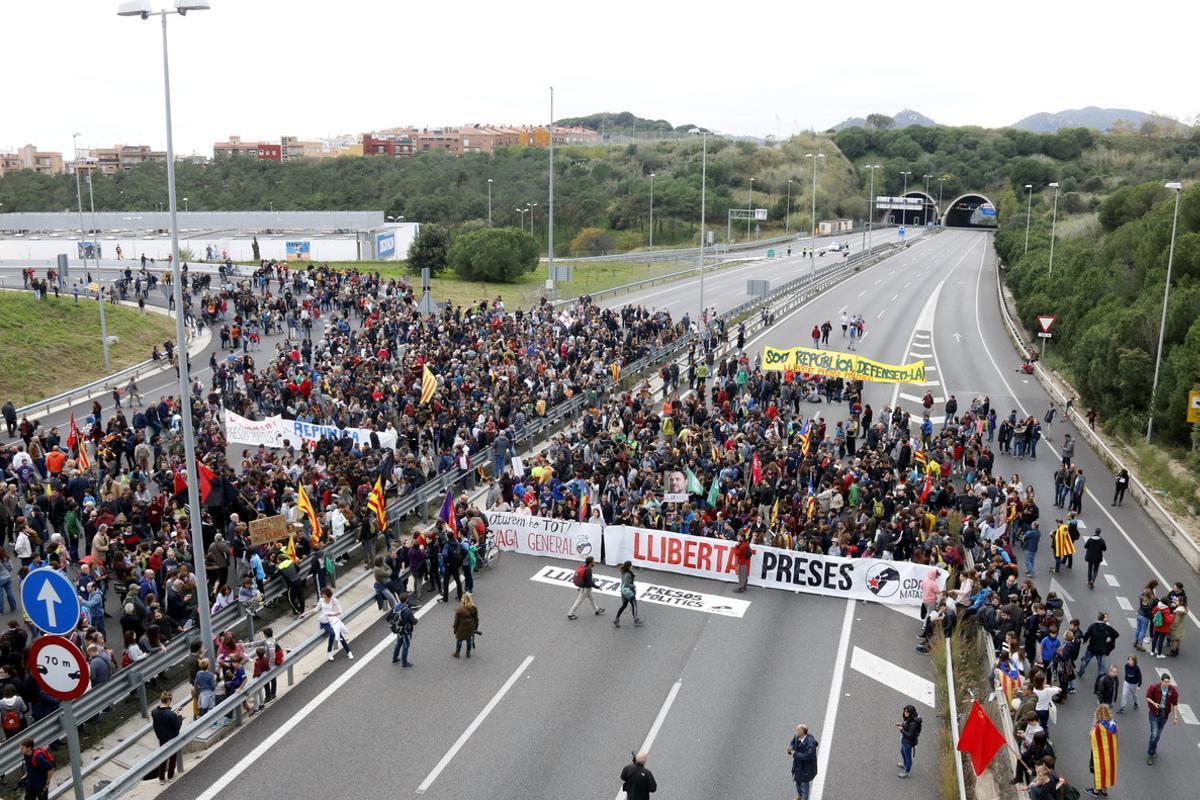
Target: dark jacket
x: 466, y: 622
x: 910, y: 730
x: 638, y: 782
x: 804, y: 758
x: 1101, y: 638
x: 167, y: 723
x: 1107, y: 687
x: 1093, y: 549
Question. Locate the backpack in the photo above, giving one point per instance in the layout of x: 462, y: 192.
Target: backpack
x: 877, y: 509
x: 1157, y: 620
x: 46, y: 755
x: 278, y: 655
x: 580, y: 575
x: 396, y: 622
x: 11, y: 721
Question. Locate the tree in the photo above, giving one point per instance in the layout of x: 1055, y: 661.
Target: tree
x: 592, y: 241
x: 880, y: 121
x: 494, y: 254
x: 429, y: 250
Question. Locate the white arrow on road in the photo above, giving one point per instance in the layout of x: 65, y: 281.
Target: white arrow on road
x: 50, y: 597
x: 958, y: 337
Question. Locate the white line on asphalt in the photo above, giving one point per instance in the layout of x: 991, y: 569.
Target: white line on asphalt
x: 929, y: 368
x: 831, y: 704
x: 658, y: 723
x: 474, y: 726
x: 1111, y: 580
x: 1132, y: 622
x: 864, y: 291
x: 266, y: 744
x: 1024, y: 412
x: 881, y: 313
x: 907, y: 284
x: 892, y: 675
x: 1124, y: 603
x: 1187, y: 715
x: 893, y: 298
x: 879, y: 281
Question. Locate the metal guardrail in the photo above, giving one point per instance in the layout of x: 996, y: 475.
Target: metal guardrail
x: 50, y: 727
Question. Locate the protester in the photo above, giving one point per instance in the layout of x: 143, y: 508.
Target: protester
x: 466, y: 625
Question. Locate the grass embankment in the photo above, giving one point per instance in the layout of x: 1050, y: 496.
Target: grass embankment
x: 52, y: 345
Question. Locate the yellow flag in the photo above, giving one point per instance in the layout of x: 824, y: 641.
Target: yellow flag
x: 428, y: 385
x: 305, y: 505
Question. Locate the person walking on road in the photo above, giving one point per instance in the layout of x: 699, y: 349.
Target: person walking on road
x: 1064, y: 545
x: 637, y: 781
x: 1102, y: 761
x: 1068, y: 450
x: 1131, y: 684
x: 39, y: 769
x: 910, y: 732
x: 1161, y: 699
x: 167, y: 722
x: 628, y: 595
x: 402, y: 621
x: 1029, y: 543
x: 585, y: 581
x: 329, y: 614
x: 1101, y: 639
x: 1146, y: 603
x: 1108, y: 685
x: 743, y: 553
x: 803, y: 750
x: 1093, y: 553
x: 466, y: 625
x: 1077, y: 488
x: 1161, y: 620
x: 1122, y: 483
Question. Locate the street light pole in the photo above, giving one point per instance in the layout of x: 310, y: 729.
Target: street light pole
x: 787, y: 220
x: 703, y: 187
x: 749, y: 208
x: 489, y: 202
x: 1028, y: 211
x: 812, y: 250
x: 928, y: 201
x: 903, y: 198
x: 1162, y: 325
x: 550, y: 229
x: 185, y: 403
x: 185, y: 205
x: 651, y: 211
x: 83, y: 252
x: 96, y: 233
x: 522, y: 212
x: 941, y: 211
x: 1053, y: 226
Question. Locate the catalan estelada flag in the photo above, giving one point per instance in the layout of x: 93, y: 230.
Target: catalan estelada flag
x: 810, y: 503
x: 615, y: 369
x: 1010, y: 680
x: 805, y: 435
x: 377, y: 503
x: 918, y: 453
x: 75, y: 439
x: 428, y: 384
x: 305, y: 505
x: 1104, y: 754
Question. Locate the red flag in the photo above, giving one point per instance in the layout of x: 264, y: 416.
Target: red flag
x: 447, y: 515
x: 755, y: 470
x: 180, y: 480
x: 926, y: 489
x: 980, y: 739
x: 1104, y: 754
x: 205, y: 477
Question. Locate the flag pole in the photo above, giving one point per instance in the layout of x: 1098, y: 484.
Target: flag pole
x: 958, y: 761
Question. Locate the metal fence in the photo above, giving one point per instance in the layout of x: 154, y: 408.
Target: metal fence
x: 132, y: 679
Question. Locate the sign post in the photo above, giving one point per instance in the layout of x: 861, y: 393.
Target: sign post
x: 60, y: 669
x: 1046, y: 322
x: 1193, y: 407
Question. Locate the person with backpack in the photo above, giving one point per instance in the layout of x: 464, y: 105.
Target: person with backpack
x: 1161, y: 621
x: 13, y: 712
x: 39, y: 770
x: 628, y: 594
x: 452, y: 561
x: 585, y: 582
x: 402, y: 621
x: 910, y: 732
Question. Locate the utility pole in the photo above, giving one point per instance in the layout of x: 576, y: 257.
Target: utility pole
x: 550, y: 249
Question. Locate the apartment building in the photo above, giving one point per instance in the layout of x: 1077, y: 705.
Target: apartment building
x: 235, y: 147
x: 29, y: 157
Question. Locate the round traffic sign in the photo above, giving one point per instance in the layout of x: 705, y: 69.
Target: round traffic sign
x: 59, y: 667
x: 50, y: 601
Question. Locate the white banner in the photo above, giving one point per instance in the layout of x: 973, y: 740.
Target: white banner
x: 542, y: 536
x: 650, y: 593
x: 273, y: 431
x: 891, y: 582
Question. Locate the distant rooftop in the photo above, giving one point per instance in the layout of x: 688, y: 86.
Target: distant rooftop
x: 148, y: 222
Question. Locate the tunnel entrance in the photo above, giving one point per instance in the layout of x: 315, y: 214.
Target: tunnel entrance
x: 970, y: 211
x: 914, y: 208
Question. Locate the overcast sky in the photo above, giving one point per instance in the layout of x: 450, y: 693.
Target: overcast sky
x: 265, y: 68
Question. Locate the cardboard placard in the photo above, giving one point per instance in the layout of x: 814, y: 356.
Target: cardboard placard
x: 267, y: 529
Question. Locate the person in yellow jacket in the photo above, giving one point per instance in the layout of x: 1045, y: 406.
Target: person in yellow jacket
x: 1064, y: 544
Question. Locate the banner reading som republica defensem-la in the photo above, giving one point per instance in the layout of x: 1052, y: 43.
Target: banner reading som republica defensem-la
x: 841, y: 365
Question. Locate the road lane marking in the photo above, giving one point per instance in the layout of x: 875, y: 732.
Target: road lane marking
x: 1111, y: 580
x: 1132, y: 622
x: 893, y: 298
x: 864, y: 291
x: 881, y: 313
x: 650, y: 593
x: 266, y: 744
x: 1024, y: 412
x: 831, y: 704
x: 658, y: 723
x: 879, y: 281
x: 1124, y: 603
x: 893, y: 676
x: 474, y: 726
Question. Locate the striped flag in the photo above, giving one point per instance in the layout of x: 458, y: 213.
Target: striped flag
x: 584, y: 504
x: 305, y: 505
x: 775, y: 513
x: 805, y: 435
x: 75, y: 439
x: 1104, y: 754
x: 447, y: 515
x: 428, y: 384
x: 918, y: 453
x: 1010, y: 680
x: 810, y: 504
x: 290, y: 550
x: 377, y: 503
x: 615, y: 369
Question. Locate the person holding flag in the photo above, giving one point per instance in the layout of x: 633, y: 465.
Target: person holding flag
x: 1103, y: 759
x: 428, y: 384
x: 377, y: 504
x: 76, y: 442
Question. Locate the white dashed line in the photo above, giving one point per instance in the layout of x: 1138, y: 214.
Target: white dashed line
x: 881, y: 313
x: 1111, y: 580
x: 1124, y: 603
x: 894, y: 297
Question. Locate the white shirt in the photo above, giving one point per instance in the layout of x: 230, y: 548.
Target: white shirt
x: 22, y: 547
x: 330, y: 610
x: 1044, y: 696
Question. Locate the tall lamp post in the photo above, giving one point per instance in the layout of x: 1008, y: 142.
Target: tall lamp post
x: 83, y: 252
x: 928, y: 199
x: 1162, y: 325
x: 941, y: 211
x: 870, y: 208
x: 522, y: 212
x: 1028, y: 212
x: 651, y: 211
x: 185, y: 206
x: 812, y: 251
x: 1053, y: 226
x: 550, y: 224
x: 749, y: 208
x: 903, y: 196
x: 703, y: 187
x: 489, y: 202
x: 141, y: 8
x: 787, y: 219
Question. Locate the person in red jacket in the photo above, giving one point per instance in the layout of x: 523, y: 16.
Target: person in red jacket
x: 742, y: 554
x: 1161, y: 699
x: 816, y: 337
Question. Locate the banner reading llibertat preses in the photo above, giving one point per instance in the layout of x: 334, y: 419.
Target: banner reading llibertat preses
x: 891, y: 582
x: 841, y: 365
x: 544, y: 536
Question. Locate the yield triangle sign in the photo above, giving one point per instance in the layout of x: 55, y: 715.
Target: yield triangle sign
x: 1046, y: 322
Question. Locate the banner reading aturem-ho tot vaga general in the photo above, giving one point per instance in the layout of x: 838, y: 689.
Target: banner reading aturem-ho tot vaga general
x: 543, y: 536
